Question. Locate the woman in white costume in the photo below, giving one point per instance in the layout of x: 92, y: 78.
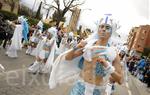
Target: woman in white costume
x: 34, y: 40
x: 97, y: 63
x: 46, y: 53
x: 15, y: 41
x: 63, y: 45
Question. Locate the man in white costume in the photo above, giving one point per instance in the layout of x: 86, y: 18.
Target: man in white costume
x: 46, y: 54
x: 98, y: 62
x: 15, y: 40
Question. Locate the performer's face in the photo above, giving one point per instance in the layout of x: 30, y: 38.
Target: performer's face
x: 104, y: 31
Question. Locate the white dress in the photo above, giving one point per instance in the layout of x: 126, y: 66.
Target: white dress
x: 16, y: 42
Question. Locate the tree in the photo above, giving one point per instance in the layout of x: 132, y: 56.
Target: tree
x: 68, y: 6
x: 56, y: 16
x: 38, y: 14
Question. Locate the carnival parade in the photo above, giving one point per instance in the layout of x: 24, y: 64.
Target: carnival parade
x: 52, y: 47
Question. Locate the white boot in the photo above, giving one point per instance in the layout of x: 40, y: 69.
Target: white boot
x: 2, y: 69
x: 35, y: 67
x: 29, y: 50
x: 41, y: 68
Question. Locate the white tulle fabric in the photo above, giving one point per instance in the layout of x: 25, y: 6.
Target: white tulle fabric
x: 16, y: 42
x: 65, y: 71
x: 54, y: 48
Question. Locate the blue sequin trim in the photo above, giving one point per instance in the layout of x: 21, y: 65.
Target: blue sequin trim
x: 80, y: 65
x: 99, y: 70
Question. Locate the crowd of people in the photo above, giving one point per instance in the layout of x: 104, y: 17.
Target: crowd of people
x: 140, y: 68
x: 93, y: 62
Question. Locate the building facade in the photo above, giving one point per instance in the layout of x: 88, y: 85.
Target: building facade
x: 10, y: 5
x: 74, y: 20
x: 139, y: 39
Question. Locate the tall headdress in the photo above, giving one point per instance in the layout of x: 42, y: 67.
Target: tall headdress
x: 107, y: 19
x: 112, y: 22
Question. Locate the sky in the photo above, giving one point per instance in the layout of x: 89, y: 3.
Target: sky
x: 129, y: 13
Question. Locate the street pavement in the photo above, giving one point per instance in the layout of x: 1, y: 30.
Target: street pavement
x: 17, y: 81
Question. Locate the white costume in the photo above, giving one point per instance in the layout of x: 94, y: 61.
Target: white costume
x: 16, y: 42
x: 46, y: 54
x: 40, y: 26
x: 63, y: 70
x: 34, y: 40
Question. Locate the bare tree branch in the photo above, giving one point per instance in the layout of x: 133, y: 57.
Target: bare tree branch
x: 64, y: 3
x: 52, y: 6
x: 72, y: 6
x: 58, y: 4
x: 71, y: 10
x: 68, y: 6
x: 68, y: 3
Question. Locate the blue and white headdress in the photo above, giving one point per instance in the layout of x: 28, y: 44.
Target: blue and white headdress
x: 110, y: 21
x: 105, y: 20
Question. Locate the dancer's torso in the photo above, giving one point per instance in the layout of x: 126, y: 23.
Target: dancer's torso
x: 88, y: 73
x: 93, y: 72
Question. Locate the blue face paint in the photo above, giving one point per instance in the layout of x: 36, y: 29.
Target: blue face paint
x: 108, y: 27
x: 106, y: 20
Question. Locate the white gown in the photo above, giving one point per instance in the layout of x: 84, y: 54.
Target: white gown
x: 16, y: 42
